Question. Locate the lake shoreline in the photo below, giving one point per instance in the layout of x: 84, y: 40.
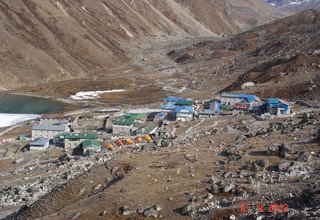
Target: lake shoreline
x: 71, y: 105
x: 25, y: 103
x: 74, y: 104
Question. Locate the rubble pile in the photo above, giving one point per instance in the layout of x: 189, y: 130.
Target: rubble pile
x: 24, y: 194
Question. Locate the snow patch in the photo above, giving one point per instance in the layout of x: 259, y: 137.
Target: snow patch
x: 247, y: 84
x: 92, y: 94
x: 13, y: 119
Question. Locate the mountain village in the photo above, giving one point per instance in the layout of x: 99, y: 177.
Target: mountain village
x: 125, y: 128
x: 98, y: 135
x: 173, y: 109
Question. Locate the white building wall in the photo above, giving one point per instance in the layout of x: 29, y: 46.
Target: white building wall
x: 181, y: 116
x: 122, y: 129
x: 39, y: 148
x: 46, y: 134
x: 230, y: 101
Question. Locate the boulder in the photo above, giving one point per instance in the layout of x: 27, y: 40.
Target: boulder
x: 150, y: 213
x: 284, y: 166
x: 214, y: 179
x: 318, y: 136
x: 233, y: 150
x: 157, y: 207
x: 189, y: 209
x: 214, y: 188
x: 262, y: 163
x: 273, y: 150
x: 304, y: 156
x: 166, y: 143
x: 241, y: 139
x: 228, y: 188
x: 227, y: 174
x: 140, y: 210
x: 225, y: 202
x: 285, y: 150
x: 258, y: 174
x: 125, y: 210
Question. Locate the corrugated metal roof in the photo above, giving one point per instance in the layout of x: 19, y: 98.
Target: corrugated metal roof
x: 272, y: 100
x: 91, y: 143
x: 172, y: 99
x: 130, y: 119
x: 185, y: 102
x: 176, y: 99
x: 50, y: 127
x: 40, y: 142
x: 147, y: 128
x: 250, y: 98
x: 168, y: 105
x: 277, y: 101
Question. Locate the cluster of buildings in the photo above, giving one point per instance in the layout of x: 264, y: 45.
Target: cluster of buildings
x: 225, y: 104
x: 133, y: 126
x: 180, y: 109
x: 58, y: 130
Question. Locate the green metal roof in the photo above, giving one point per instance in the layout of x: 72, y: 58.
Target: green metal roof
x: 226, y: 108
x: 80, y: 136
x: 130, y: 119
x: 185, y: 102
x: 91, y: 143
x: 147, y: 129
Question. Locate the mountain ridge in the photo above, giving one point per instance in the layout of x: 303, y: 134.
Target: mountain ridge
x: 50, y: 41
x: 294, y: 6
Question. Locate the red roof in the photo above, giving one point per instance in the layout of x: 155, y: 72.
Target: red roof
x: 241, y: 106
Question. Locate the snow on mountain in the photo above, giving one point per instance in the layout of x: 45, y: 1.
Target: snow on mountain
x: 294, y: 6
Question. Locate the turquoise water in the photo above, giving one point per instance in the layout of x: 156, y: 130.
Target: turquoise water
x: 20, y: 104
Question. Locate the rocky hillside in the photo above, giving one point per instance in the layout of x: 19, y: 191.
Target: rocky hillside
x: 46, y: 41
x: 250, y: 13
x: 281, y: 59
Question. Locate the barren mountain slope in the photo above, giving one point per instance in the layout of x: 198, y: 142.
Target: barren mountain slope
x: 46, y: 41
x: 281, y: 57
x: 251, y: 13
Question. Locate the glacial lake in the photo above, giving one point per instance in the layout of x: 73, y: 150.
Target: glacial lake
x: 20, y: 104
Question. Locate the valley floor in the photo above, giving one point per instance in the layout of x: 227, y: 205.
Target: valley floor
x: 213, y: 170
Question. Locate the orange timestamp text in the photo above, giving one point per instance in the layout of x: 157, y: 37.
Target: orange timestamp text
x: 272, y: 208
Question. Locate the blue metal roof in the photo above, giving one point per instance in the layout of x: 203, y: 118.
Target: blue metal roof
x: 273, y: 100
x: 250, y: 98
x: 172, y: 99
x: 168, y: 105
x: 181, y: 108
